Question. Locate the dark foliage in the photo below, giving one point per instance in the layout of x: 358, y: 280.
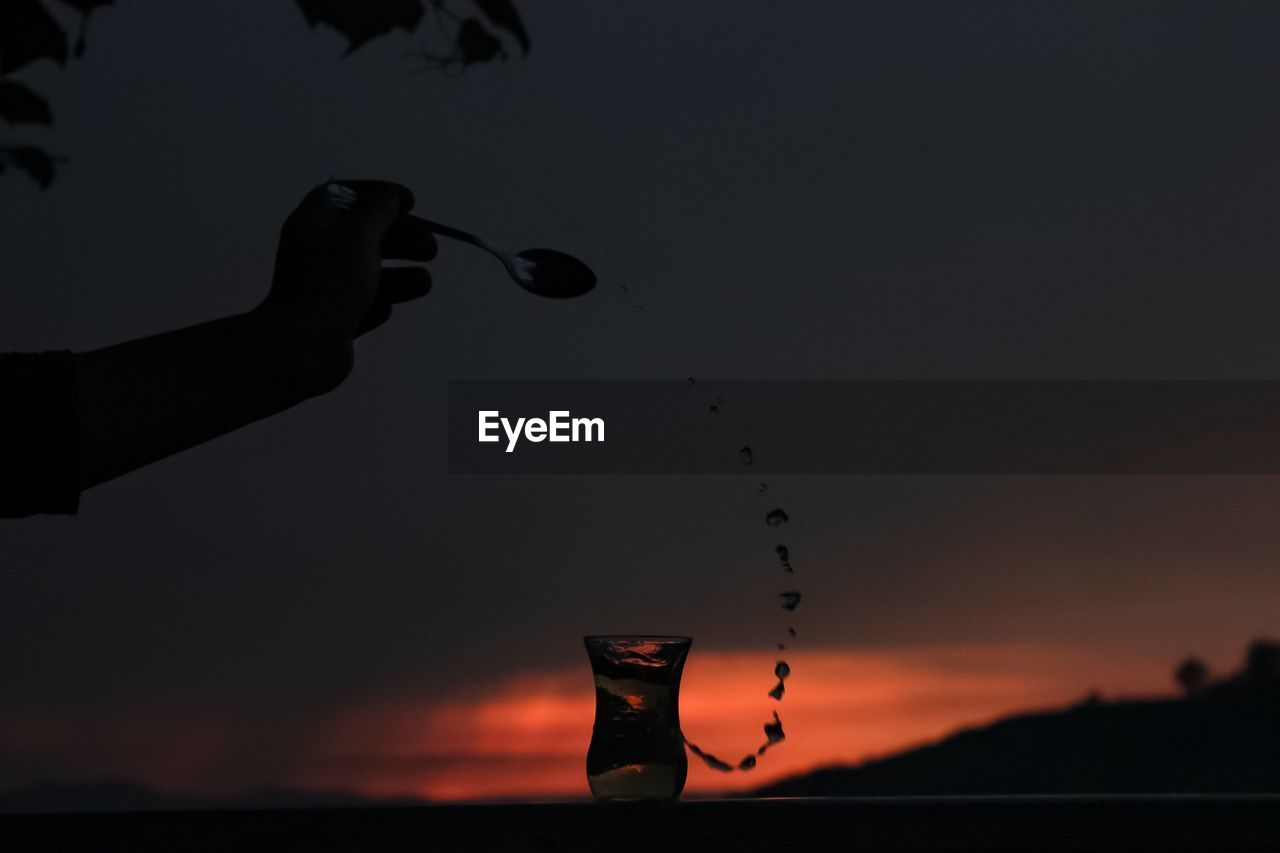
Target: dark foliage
x: 18, y: 104
x: 477, y: 44
x: 30, y: 32
x: 1192, y: 676
x: 84, y: 7
x: 360, y: 22
x: 503, y: 14
x: 39, y: 164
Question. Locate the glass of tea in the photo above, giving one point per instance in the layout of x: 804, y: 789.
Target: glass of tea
x: 637, y: 749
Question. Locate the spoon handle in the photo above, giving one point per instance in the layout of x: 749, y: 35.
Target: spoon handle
x: 468, y: 237
x: 456, y: 233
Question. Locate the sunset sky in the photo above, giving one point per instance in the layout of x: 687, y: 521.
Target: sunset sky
x: 826, y: 191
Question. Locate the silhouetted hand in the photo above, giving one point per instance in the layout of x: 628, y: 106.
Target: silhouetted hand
x: 143, y: 400
x: 329, y: 285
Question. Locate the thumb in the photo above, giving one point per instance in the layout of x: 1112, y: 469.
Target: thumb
x: 354, y: 205
x: 372, y: 206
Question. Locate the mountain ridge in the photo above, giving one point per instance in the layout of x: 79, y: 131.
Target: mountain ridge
x: 1221, y: 738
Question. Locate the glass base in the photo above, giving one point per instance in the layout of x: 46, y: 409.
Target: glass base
x: 638, y: 782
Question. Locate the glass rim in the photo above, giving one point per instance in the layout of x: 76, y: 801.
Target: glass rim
x: 676, y: 638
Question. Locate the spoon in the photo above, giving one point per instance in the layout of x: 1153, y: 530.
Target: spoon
x: 544, y: 272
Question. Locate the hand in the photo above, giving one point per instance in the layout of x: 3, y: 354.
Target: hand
x: 329, y: 285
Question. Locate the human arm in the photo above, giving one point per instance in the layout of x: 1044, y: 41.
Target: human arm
x: 146, y: 399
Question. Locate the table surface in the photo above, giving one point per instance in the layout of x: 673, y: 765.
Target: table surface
x: 1075, y: 823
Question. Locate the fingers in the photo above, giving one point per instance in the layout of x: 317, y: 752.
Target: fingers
x: 399, y: 193
x: 329, y: 273
x: 377, y: 205
x: 397, y: 284
x: 369, y: 212
x: 400, y: 284
x: 316, y: 212
x: 327, y: 204
x: 409, y: 238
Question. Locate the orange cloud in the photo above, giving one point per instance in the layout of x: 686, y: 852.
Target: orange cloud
x: 526, y: 736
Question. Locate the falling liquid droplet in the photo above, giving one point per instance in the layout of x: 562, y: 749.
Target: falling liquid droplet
x: 773, y: 731
x: 789, y: 600
x: 689, y: 382
x: 624, y: 288
x: 709, y: 759
x: 783, y: 671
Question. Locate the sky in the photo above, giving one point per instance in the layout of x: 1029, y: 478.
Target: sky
x: 832, y: 190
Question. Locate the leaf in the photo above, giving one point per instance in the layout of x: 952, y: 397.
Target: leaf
x: 503, y: 14
x: 475, y: 43
x: 27, y: 33
x: 362, y: 20
x: 84, y: 7
x: 39, y: 164
x: 18, y: 104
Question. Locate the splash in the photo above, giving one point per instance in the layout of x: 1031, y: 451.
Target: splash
x: 708, y: 759
x: 773, y: 735
x: 790, y: 599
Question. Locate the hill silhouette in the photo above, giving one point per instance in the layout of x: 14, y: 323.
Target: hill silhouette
x: 1221, y: 738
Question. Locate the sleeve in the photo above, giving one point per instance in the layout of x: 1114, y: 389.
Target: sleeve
x: 39, y: 434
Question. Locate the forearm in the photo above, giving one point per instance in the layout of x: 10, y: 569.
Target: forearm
x: 143, y: 400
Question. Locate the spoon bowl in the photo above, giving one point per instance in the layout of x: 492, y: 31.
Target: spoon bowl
x: 554, y: 274
x: 544, y: 272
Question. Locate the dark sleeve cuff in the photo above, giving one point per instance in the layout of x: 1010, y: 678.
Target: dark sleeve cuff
x: 39, y: 434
